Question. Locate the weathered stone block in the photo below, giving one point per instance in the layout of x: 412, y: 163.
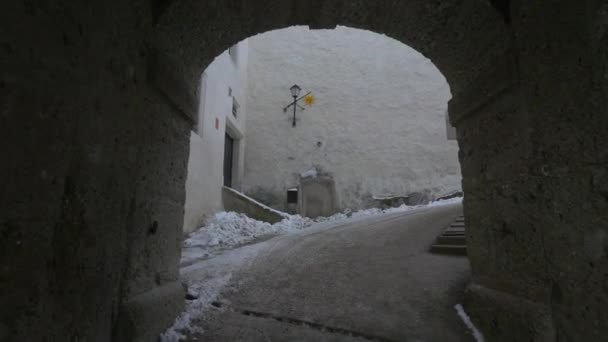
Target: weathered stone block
x: 317, y: 196
x: 505, y: 317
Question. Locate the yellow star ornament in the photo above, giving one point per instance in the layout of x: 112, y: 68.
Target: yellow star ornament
x: 309, y: 100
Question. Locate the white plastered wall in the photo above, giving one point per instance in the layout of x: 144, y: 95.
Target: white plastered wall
x: 378, y: 126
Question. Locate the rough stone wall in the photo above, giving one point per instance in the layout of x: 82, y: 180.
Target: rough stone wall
x: 377, y: 127
x: 93, y: 169
x: 534, y: 160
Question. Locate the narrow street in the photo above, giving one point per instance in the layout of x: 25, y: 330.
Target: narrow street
x: 368, y: 279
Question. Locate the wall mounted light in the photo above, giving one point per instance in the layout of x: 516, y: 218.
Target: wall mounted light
x: 295, y: 92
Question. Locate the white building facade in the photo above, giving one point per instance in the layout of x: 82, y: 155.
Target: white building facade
x: 370, y: 92
x: 218, y: 144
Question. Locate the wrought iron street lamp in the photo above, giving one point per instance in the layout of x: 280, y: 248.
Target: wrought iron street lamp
x: 295, y: 92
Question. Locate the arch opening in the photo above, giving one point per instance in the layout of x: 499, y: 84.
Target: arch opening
x: 372, y: 142
x: 381, y: 114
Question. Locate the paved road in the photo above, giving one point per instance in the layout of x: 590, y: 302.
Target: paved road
x: 369, y: 280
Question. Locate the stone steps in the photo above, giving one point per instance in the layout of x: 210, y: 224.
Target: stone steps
x: 449, y: 249
x: 453, y: 240
x: 453, y: 232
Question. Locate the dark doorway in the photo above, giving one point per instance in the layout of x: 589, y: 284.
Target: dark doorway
x: 228, y: 154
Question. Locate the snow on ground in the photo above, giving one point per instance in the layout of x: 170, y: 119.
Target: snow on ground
x: 467, y: 321
x: 206, y: 292
x: 207, y: 276
x: 229, y: 229
x: 205, y: 280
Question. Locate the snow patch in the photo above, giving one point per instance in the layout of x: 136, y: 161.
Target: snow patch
x: 229, y: 229
x: 206, y: 280
x: 467, y: 321
x: 444, y: 202
x: 225, y: 230
x: 385, y: 197
x: 207, y: 292
x: 312, y: 173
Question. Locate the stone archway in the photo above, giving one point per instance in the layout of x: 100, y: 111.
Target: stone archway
x: 97, y: 101
x: 487, y: 52
x: 452, y: 34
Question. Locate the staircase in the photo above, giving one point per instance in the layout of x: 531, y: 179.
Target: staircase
x: 452, y: 240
